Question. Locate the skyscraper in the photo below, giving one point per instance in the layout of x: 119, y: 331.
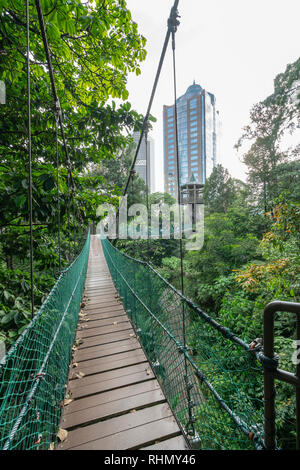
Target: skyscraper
x: 145, y: 172
x: 198, y: 138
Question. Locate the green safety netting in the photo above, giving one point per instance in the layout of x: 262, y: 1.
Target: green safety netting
x: 210, y: 377
x: 34, y: 372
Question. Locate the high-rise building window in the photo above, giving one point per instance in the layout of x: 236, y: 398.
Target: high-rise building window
x: 193, y: 103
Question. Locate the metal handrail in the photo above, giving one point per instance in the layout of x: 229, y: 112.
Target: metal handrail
x: 271, y: 372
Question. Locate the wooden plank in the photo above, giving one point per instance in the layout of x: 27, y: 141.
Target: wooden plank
x: 112, y: 384
x: 109, y: 344
x: 109, y: 375
x: 88, y: 322
x: 103, y: 299
x: 99, y: 279
x: 111, y: 291
x: 115, y: 425
x: 176, y: 443
x: 105, y: 306
x: 110, y: 360
x: 99, y: 294
x: 85, y: 333
x: 99, y: 315
x: 105, y: 339
x: 93, y: 366
x: 100, y: 284
x: 134, y: 438
x: 111, y: 396
x: 112, y: 409
x: 103, y: 351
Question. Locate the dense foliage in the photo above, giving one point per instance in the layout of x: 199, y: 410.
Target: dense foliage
x: 93, y: 47
x: 251, y: 252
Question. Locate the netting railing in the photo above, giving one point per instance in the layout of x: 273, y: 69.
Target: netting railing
x: 34, y: 372
x: 211, y: 379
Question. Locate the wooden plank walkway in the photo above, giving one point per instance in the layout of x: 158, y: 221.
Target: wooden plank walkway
x: 117, y: 404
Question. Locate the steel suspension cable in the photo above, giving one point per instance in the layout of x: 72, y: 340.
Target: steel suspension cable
x: 58, y: 194
x: 70, y: 179
x: 147, y: 193
x: 173, y: 25
x: 29, y: 158
x: 146, y: 119
x: 53, y: 86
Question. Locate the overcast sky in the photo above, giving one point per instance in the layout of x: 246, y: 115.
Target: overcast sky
x: 233, y: 49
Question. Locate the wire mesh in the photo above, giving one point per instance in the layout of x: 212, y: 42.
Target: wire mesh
x: 215, y: 384
x: 33, y: 374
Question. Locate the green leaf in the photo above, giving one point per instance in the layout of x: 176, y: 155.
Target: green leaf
x: 8, y: 317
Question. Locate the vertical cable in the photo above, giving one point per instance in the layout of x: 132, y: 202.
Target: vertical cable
x: 58, y: 195
x: 29, y: 159
x: 177, y: 168
x: 68, y: 210
x: 190, y: 428
x: 150, y: 293
x: 147, y: 193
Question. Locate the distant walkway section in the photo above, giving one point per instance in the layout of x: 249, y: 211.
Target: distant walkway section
x: 114, y: 401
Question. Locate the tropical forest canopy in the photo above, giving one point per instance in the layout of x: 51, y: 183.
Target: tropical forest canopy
x: 251, y: 249
x: 93, y: 47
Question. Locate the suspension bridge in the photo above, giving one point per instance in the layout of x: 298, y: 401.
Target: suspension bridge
x: 117, y: 358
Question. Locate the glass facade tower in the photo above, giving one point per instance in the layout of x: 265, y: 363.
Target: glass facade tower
x: 144, y: 168
x: 198, y: 134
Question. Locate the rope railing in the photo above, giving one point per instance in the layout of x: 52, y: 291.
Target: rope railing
x: 34, y: 372
x: 210, y: 377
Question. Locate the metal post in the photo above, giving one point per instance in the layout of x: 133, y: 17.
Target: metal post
x: 269, y: 385
x: 271, y: 371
